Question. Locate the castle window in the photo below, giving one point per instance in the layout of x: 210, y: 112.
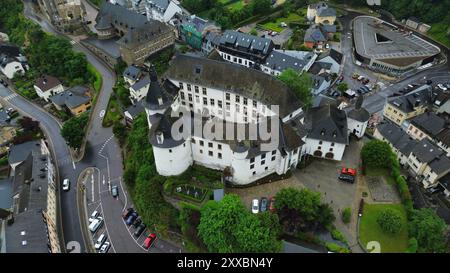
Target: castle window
x: 219, y: 103
x: 170, y: 150
x: 210, y: 145
x: 219, y: 146
x: 196, y: 89
x: 254, y: 173
x: 273, y: 158
x: 219, y: 155
x: 189, y: 87
x: 190, y: 97
x: 227, y: 96
x: 274, y: 152
x: 266, y: 168
x: 201, y: 151
x: 263, y: 156
x: 245, y: 101
x: 181, y: 85
x: 193, y: 140
x: 204, y: 91
x: 255, y: 103
x: 205, y: 101
x: 212, y: 102
x: 237, y: 98
x: 252, y: 166
x: 263, y: 162
x: 182, y: 95
x: 210, y: 153
x: 252, y: 160
x: 201, y: 143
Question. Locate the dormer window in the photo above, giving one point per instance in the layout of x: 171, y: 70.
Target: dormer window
x: 322, y: 132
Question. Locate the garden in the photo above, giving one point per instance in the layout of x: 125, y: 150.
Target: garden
x: 113, y: 112
x: 297, y: 17
x: 371, y: 230
x: 191, y: 192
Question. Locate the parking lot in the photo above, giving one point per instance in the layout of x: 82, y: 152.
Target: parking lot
x: 121, y: 236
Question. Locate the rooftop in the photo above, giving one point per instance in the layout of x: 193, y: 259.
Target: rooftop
x: 397, y: 137
x: 429, y: 123
x: 250, y: 83
x: 421, y: 96
x: 326, y: 122
x: 47, y: 82
x: 132, y: 72
x: 279, y: 60
x: 377, y: 39
x: 72, y: 97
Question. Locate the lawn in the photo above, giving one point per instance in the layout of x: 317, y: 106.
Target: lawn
x: 369, y: 230
x: 275, y: 25
x: 113, y: 113
x: 380, y: 172
x: 438, y: 32
x: 235, y: 6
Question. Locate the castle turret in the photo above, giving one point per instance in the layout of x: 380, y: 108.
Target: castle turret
x: 357, y: 119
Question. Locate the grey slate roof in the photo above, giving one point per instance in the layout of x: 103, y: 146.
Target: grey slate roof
x: 314, y: 34
x: 47, y: 82
x: 72, y: 97
x: 328, y: 28
x: 6, y: 186
x: 440, y: 164
x: 213, y: 38
x: 327, y: 123
x: 426, y: 151
x: 18, y: 153
x: 158, y: 97
x: 359, y: 113
x: 135, y: 109
x: 318, y: 66
x: 406, y: 103
x: 141, y: 83
x: 132, y: 72
x: 327, y: 12
x: 430, y: 123
x: 334, y: 54
x: 444, y: 136
x: 250, y: 83
x: 280, y: 61
x: 139, y: 28
x: 397, y: 137
x: 246, y: 42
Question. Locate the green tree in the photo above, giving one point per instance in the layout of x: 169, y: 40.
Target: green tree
x: 429, y: 230
x: 73, y: 130
x: 342, y: 87
x: 299, y: 84
x: 254, y: 32
x: 304, y: 201
x: 346, y: 215
x: 120, y: 131
x: 376, y: 153
x: 390, y: 221
x: 260, y: 6
x: 228, y: 227
x: 412, y: 245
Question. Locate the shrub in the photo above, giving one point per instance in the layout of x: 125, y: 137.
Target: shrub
x: 346, y: 215
x: 337, y: 248
x: 390, y: 221
x: 337, y: 235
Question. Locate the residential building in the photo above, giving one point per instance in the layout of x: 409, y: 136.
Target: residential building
x: 401, y: 108
x: 162, y: 10
x: 138, y: 91
x: 320, y: 83
x: 194, y: 29
x: 32, y: 224
x: 65, y: 15
x: 139, y: 37
x: 132, y: 74
x: 210, y: 42
x: 426, y: 125
x: 244, y: 49
x: 401, y: 143
x: 332, y: 57
x: 76, y: 99
x: 320, y: 13
x: 314, y: 37
x: 11, y: 60
x: 280, y: 60
x: 133, y: 111
x: 47, y: 86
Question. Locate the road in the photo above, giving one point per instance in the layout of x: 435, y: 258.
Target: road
x: 102, y: 152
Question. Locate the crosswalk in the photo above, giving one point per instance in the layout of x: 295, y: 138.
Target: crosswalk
x: 72, y: 42
x: 10, y: 97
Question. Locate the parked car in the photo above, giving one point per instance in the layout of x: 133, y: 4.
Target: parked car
x: 149, y: 240
x: 137, y: 222
x: 348, y: 171
x: 94, y: 215
x: 436, y: 189
x: 115, y: 191
x: 127, y: 213
x: 355, y: 76
x: 139, y: 230
x: 347, y: 178
x: 365, y: 81
x: 101, y: 239
x: 340, y: 79
x: 255, y: 206
x: 105, y: 247
x: 96, y: 224
x: 360, y: 78
x: 131, y: 218
x: 66, y: 184
x: 263, y: 206
x: 272, y: 204
x: 442, y: 87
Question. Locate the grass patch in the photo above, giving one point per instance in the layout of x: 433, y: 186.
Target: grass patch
x: 373, y: 171
x: 235, y: 6
x: 275, y: 25
x: 96, y: 78
x: 369, y: 230
x: 113, y: 113
x: 438, y: 32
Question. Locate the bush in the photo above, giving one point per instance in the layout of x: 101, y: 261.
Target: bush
x: 337, y: 248
x: 390, y: 221
x: 412, y: 245
x: 337, y: 235
x: 346, y: 215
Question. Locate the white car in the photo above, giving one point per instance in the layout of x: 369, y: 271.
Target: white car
x: 442, y: 87
x: 66, y: 184
x: 327, y: 46
x: 105, y: 247
x: 94, y: 215
x: 101, y: 239
x: 255, y: 206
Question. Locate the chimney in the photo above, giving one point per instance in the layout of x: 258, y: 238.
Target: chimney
x: 159, y: 137
x: 160, y: 101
